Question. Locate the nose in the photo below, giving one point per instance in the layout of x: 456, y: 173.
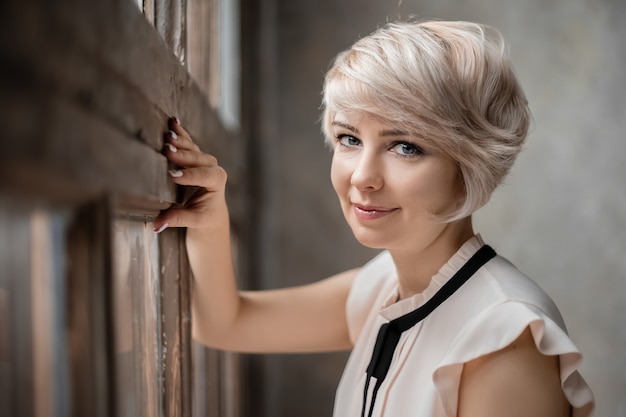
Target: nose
x: 367, y: 174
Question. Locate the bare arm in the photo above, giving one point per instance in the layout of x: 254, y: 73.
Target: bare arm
x: 299, y: 319
x: 517, y: 381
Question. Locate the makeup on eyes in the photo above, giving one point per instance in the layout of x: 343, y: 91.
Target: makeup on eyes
x: 348, y: 136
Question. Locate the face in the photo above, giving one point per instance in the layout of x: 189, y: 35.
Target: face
x: 390, y: 184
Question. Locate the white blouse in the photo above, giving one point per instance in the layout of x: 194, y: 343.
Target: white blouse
x: 489, y: 312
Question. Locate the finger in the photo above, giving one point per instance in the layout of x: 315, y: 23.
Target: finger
x: 212, y: 178
x: 182, y: 217
x: 188, y: 158
x: 173, y: 217
x: 179, y: 142
x: 175, y: 125
x: 179, y: 132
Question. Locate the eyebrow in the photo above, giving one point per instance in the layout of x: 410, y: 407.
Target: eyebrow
x: 389, y: 132
x: 346, y: 126
x: 393, y: 132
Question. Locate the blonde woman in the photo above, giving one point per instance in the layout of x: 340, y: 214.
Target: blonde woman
x: 425, y: 120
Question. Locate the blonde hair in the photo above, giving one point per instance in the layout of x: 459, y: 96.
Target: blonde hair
x: 450, y: 84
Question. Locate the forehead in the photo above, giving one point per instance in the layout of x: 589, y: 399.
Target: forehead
x: 360, y: 122
x: 360, y: 119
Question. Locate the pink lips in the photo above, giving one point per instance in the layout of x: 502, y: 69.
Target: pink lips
x: 363, y: 212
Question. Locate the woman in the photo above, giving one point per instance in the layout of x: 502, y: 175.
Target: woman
x: 425, y: 120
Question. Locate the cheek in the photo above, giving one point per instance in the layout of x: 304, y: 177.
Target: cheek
x: 447, y: 190
x: 436, y: 187
x: 339, y: 175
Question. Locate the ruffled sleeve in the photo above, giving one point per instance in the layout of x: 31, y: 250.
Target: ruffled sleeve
x: 497, y: 328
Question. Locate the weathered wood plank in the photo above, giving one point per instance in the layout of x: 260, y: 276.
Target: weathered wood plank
x: 16, y: 397
x: 203, y: 46
x: 136, y: 317
x: 176, y: 325
x: 170, y: 23
x: 70, y: 150
x: 88, y: 301
x: 86, y: 87
x: 184, y: 314
x: 148, y: 10
x: 126, y: 78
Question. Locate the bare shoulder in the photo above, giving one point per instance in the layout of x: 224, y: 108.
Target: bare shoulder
x: 515, y: 381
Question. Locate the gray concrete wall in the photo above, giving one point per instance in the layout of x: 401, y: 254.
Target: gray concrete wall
x: 561, y: 216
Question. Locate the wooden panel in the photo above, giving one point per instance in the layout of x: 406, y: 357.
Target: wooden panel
x: 66, y: 52
x: 203, y: 46
x: 71, y: 163
x: 34, y: 374
x: 43, y: 328
x: 16, y: 372
x: 148, y: 10
x: 137, y: 320
x: 176, y: 313
x: 88, y: 279
x: 86, y: 88
x: 4, y: 324
x: 170, y: 23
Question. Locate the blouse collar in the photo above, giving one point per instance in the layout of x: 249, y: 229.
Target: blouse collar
x: 392, y: 309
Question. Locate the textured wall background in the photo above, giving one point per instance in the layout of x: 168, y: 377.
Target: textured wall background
x: 561, y: 216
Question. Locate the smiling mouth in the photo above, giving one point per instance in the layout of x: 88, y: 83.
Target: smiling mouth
x: 371, y: 212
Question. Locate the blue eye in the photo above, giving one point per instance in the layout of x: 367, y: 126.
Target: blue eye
x: 407, y: 149
x: 348, y: 141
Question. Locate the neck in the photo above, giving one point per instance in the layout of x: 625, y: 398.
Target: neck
x: 416, y: 268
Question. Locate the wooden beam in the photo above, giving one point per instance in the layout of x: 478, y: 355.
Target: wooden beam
x: 176, y: 324
x: 88, y: 300
x: 121, y: 83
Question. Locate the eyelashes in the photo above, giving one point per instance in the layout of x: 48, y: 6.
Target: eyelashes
x: 400, y: 148
x: 407, y: 149
x: 347, y: 140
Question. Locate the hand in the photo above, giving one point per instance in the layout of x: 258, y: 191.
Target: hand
x: 204, y: 210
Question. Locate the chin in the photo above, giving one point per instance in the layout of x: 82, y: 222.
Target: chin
x: 371, y: 245
x: 370, y: 239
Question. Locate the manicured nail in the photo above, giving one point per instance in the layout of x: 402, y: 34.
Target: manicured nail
x: 175, y: 120
x: 160, y: 229
x: 171, y: 147
x: 173, y: 135
x: 176, y: 173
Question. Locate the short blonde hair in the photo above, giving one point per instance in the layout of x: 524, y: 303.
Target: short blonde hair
x: 449, y: 83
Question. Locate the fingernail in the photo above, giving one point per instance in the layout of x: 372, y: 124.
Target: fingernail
x: 175, y: 173
x: 160, y: 229
x: 171, y: 147
x: 173, y: 135
x: 175, y: 120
